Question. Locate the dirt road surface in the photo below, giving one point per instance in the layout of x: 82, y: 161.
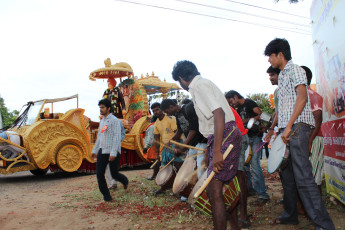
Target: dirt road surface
x: 60, y: 201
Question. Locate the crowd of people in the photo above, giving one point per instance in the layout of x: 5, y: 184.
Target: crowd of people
x: 206, y: 126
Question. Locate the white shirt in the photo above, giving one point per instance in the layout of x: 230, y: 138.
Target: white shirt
x: 207, y: 97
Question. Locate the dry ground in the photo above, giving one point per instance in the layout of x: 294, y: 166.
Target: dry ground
x: 59, y: 201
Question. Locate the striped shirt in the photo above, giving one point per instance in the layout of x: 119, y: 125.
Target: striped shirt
x: 110, y: 139
x: 288, y: 79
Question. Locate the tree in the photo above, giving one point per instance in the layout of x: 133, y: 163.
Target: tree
x: 7, y: 116
x: 262, y: 99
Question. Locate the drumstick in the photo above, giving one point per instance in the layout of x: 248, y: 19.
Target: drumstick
x: 154, y: 163
x: 166, y: 146
x: 187, y: 146
x: 209, y: 178
x: 260, y: 147
x: 197, y: 154
x: 194, y: 172
x: 168, y: 163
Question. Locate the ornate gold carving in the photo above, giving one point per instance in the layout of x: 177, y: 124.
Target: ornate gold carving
x: 133, y: 140
x: 69, y: 158
x: 107, y: 62
x: 45, y: 136
x: 17, y: 169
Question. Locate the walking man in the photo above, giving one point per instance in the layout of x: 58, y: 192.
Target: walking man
x: 108, y: 149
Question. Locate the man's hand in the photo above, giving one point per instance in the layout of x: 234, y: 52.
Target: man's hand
x: 269, y: 135
x: 310, y: 145
x: 218, y: 162
x: 111, y: 158
x: 144, y: 150
x: 94, y: 156
x: 168, y: 143
x: 178, y: 152
x: 286, y: 134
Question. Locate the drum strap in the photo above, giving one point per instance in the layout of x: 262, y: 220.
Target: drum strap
x: 233, y: 129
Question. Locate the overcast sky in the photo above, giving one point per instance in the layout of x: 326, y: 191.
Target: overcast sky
x: 48, y: 48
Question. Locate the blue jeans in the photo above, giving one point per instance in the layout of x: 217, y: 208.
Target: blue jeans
x: 199, y: 158
x: 258, y: 176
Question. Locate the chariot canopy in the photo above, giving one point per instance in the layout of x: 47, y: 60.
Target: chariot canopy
x: 154, y: 85
x: 119, y: 70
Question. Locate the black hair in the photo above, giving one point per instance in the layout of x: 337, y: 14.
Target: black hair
x: 186, y: 101
x: 184, y: 69
x: 232, y: 93
x: 153, y: 119
x: 308, y: 73
x: 174, y: 100
x: 278, y: 45
x: 154, y: 105
x: 273, y: 70
x: 105, y: 102
x: 166, y: 104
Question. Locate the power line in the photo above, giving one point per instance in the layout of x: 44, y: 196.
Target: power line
x: 239, y: 12
x: 218, y: 17
x: 263, y: 8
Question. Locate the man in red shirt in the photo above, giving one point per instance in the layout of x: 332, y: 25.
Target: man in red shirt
x: 316, y: 145
x: 243, y: 219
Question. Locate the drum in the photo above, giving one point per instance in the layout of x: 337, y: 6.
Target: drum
x: 279, y: 155
x: 231, y: 193
x: 248, y: 155
x: 250, y: 123
x: 265, y: 117
x: 165, y: 178
x: 181, y: 186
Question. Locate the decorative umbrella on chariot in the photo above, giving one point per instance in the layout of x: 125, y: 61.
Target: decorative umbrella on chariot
x: 139, y: 90
x: 119, y: 97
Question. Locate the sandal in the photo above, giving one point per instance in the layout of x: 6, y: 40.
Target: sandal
x: 283, y: 221
x: 244, y: 223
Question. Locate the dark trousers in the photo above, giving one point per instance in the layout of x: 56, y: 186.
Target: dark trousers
x: 298, y: 177
x: 102, y: 162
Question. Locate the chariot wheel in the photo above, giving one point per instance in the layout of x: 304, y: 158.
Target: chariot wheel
x: 69, y: 158
x: 39, y: 172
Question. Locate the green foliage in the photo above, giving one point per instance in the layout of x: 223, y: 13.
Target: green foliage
x: 262, y: 99
x: 7, y: 116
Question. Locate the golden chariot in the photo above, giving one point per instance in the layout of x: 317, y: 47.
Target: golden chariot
x: 40, y: 139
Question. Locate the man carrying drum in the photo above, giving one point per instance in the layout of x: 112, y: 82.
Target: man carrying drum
x: 187, y: 124
x: 149, y: 142
x: 248, y: 109
x: 295, y: 121
x: 164, y: 129
x: 217, y: 122
x: 241, y: 175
